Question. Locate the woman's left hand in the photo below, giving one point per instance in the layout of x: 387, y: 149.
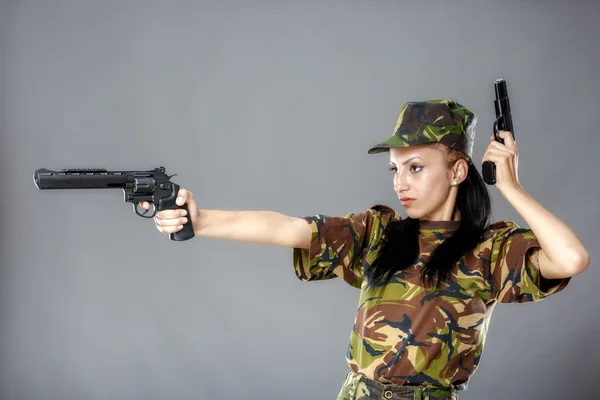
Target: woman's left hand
x: 506, y: 158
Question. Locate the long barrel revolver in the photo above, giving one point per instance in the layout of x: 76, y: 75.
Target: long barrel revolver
x: 503, y: 122
x: 153, y: 186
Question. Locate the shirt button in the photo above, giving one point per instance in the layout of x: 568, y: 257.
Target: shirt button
x: 388, y: 394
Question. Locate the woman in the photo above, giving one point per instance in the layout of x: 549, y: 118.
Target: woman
x: 429, y: 282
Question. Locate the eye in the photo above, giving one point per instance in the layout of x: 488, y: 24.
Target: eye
x: 418, y: 166
x: 393, y: 169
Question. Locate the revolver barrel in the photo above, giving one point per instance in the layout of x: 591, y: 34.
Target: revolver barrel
x: 81, y: 179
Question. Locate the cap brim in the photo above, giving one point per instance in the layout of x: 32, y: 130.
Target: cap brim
x: 384, y: 146
x: 379, y: 149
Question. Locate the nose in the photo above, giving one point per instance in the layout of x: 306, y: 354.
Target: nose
x: 399, y: 185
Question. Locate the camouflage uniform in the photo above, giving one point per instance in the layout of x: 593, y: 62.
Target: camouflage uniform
x: 410, y: 341
x: 404, y: 333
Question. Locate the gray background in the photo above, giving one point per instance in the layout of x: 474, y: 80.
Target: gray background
x: 265, y: 105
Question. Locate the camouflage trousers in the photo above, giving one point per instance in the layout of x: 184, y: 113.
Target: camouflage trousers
x: 359, y: 387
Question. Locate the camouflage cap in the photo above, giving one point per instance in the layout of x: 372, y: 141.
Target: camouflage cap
x: 433, y: 121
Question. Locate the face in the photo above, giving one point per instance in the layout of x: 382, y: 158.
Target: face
x: 420, y: 173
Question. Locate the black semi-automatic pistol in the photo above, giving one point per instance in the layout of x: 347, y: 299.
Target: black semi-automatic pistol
x: 503, y: 122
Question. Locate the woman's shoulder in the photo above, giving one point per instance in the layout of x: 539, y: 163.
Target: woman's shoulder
x: 384, y: 212
x: 502, y: 229
x: 502, y: 224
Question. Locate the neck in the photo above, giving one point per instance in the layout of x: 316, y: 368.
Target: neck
x: 429, y: 224
x: 447, y: 212
x: 444, y: 216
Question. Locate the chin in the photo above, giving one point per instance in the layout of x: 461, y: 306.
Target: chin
x: 417, y: 213
x: 412, y: 214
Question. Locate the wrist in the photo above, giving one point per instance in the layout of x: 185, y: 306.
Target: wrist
x: 507, y: 189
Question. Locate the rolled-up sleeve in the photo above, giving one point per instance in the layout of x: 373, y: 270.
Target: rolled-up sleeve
x: 339, y: 245
x: 515, y: 270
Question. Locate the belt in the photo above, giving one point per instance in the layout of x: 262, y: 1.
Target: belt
x: 359, y: 387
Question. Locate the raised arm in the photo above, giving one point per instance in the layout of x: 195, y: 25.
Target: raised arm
x: 260, y: 227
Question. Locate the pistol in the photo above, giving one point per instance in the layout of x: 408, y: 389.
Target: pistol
x: 503, y: 122
x: 153, y: 186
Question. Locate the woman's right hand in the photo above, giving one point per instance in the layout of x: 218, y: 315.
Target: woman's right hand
x: 171, y: 221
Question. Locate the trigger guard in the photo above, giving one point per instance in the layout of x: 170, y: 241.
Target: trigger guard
x: 143, y: 215
x: 496, y: 135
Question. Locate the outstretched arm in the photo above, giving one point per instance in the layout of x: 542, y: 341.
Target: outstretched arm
x: 260, y: 227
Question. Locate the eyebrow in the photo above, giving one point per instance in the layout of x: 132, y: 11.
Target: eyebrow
x: 406, y: 162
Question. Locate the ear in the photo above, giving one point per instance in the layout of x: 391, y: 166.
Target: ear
x: 460, y: 170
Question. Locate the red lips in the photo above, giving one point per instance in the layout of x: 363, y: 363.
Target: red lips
x: 405, y: 201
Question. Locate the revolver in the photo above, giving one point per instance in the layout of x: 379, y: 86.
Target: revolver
x: 503, y: 122
x: 153, y: 186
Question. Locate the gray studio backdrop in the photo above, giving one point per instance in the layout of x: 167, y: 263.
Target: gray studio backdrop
x: 265, y: 105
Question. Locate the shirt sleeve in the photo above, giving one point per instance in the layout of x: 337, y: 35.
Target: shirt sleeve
x: 514, y: 265
x: 339, y: 245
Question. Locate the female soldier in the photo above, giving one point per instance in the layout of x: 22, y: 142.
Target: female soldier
x: 429, y: 282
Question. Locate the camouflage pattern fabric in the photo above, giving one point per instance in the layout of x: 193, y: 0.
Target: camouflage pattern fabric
x: 358, y: 387
x: 407, y: 334
x: 433, y: 121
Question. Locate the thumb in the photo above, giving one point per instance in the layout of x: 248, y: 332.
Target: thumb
x: 184, y: 196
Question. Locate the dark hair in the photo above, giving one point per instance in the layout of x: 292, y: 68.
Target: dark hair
x: 400, y: 241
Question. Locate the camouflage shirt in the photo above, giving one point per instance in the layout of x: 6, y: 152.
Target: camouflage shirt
x: 408, y: 334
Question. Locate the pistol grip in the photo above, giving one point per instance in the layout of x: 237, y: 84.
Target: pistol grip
x: 488, y: 169
x: 488, y: 172
x: 168, y: 203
